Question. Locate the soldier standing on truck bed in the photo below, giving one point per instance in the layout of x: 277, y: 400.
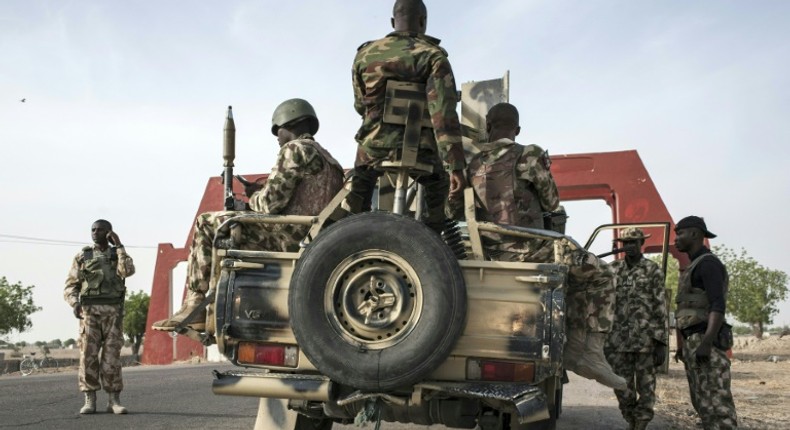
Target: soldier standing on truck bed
x: 703, y: 336
x: 95, y: 289
x: 637, y: 344
x: 408, y: 55
x: 304, y: 180
x: 513, y: 185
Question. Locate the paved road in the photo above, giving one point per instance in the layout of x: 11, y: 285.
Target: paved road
x: 159, y: 397
x: 179, y: 396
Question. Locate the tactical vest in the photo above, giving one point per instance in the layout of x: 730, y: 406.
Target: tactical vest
x: 692, y: 303
x: 316, y: 191
x: 499, y: 199
x: 101, y: 284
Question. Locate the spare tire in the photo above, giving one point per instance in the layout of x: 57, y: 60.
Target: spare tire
x: 377, y: 301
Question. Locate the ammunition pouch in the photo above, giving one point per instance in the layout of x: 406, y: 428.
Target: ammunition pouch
x: 555, y: 221
x: 723, y: 339
x: 101, y: 285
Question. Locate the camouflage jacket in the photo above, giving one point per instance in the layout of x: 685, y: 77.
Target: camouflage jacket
x: 640, y: 307
x: 532, y: 176
x: 296, y: 160
x: 125, y: 269
x: 415, y: 58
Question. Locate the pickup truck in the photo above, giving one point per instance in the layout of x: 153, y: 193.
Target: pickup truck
x: 377, y: 317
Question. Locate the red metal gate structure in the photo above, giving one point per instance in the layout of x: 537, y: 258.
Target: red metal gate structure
x: 618, y: 178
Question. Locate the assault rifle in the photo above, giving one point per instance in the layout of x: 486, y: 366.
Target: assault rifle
x: 612, y: 252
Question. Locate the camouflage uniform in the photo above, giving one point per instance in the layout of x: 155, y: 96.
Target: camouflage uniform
x: 709, y: 382
x: 513, y: 185
x: 101, y: 334
x: 590, y: 296
x: 303, y: 181
x: 640, y: 321
x: 407, y: 57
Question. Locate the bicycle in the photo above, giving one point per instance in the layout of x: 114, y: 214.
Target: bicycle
x: 29, y: 364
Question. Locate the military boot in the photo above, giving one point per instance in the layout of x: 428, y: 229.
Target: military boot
x: 191, y: 302
x: 90, y: 403
x: 114, y: 403
x: 640, y: 424
x: 574, y: 349
x: 593, y: 365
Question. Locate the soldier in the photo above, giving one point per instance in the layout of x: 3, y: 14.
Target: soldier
x: 703, y: 337
x: 514, y: 185
x: 95, y: 290
x: 637, y: 343
x: 407, y: 54
x: 304, y: 180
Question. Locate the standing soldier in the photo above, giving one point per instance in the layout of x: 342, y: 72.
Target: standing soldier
x: 513, y: 185
x: 95, y: 290
x: 703, y: 337
x: 304, y: 180
x: 637, y: 343
x: 408, y: 55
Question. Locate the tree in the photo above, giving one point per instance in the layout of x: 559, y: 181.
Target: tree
x: 16, y: 306
x: 134, y: 320
x: 754, y: 291
x: 69, y: 342
x: 56, y: 343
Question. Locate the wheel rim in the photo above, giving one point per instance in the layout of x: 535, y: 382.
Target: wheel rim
x: 26, y: 368
x: 373, y: 299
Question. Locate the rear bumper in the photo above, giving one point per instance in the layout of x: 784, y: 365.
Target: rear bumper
x: 271, y: 385
x: 525, y: 400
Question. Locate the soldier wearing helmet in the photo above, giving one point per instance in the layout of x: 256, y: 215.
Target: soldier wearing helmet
x: 302, y: 182
x: 636, y: 346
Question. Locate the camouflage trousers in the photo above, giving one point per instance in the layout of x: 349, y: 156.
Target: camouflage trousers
x: 709, y: 386
x: 637, y: 401
x: 436, y: 185
x: 590, y: 297
x: 100, y: 342
x: 254, y: 237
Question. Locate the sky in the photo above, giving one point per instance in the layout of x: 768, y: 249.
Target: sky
x: 125, y: 102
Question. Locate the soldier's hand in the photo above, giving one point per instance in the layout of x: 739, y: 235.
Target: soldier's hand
x: 113, y: 239
x: 457, y: 184
x: 78, y: 311
x: 659, y: 353
x: 702, y: 354
x: 679, y: 354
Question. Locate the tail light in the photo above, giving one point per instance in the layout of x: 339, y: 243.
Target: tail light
x: 501, y: 371
x: 269, y: 354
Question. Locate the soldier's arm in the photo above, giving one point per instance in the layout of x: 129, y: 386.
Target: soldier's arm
x: 125, y: 263
x: 356, y: 80
x: 442, y: 101
x: 73, y: 283
x: 533, y: 167
x: 294, y: 161
x: 712, y: 277
x: 659, y: 320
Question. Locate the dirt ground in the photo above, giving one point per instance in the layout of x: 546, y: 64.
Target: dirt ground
x: 760, y: 386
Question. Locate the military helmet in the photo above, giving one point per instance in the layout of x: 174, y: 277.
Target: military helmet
x: 631, y: 234
x: 291, y: 110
